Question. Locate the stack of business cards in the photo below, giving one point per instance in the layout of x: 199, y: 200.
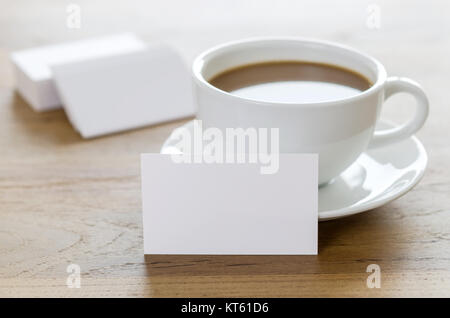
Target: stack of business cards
x: 108, y: 84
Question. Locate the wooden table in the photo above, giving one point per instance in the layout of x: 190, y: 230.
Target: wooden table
x: 67, y: 200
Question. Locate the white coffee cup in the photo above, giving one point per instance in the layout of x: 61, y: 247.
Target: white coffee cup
x: 339, y: 130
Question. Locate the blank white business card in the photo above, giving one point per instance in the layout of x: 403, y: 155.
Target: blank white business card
x: 32, y: 66
x: 126, y: 91
x: 230, y: 208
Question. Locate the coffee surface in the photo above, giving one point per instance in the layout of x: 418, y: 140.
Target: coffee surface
x: 291, y: 82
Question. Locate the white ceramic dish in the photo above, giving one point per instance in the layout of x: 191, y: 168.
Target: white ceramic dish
x: 339, y: 130
x: 377, y: 177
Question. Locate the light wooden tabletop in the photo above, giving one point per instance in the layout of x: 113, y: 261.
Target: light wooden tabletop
x: 66, y: 200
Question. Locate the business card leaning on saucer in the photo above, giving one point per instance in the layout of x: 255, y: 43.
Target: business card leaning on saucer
x: 217, y: 208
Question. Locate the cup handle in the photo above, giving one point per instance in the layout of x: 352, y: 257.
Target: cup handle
x: 395, y: 85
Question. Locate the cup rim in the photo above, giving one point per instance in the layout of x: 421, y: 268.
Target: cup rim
x: 199, y: 64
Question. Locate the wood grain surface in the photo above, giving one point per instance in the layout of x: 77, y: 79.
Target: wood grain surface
x: 66, y: 200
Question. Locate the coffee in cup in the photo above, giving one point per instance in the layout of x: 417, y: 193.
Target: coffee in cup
x: 291, y: 81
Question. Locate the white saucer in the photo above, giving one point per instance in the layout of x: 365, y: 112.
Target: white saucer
x: 376, y: 178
